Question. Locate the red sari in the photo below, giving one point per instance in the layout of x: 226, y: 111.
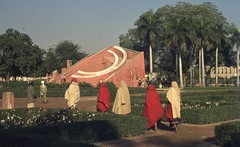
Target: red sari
x: 168, y: 114
x: 153, y: 109
x: 103, y: 98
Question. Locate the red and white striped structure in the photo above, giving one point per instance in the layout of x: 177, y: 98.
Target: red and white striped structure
x: 110, y: 64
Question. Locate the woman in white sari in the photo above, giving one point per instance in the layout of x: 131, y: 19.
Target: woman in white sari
x: 72, y: 94
x: 122, y: 104
x: 173, y: 107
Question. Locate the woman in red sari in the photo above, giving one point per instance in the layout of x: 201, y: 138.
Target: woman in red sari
x: 103, y: 98
x: 153, y: 109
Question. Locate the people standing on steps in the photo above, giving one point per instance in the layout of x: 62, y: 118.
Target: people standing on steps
x: 153, y: 109
x: 72, y: 94
x: 31, y: 96
x: 173, y: 113
x: 43, y: 93
x: 122, y: 104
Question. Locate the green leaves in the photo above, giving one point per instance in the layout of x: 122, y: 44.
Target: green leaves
x: 186, y: 27
x: 19, y: 57
x: 57, y: 56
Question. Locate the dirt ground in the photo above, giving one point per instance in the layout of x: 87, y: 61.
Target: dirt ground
x: 85, y: 103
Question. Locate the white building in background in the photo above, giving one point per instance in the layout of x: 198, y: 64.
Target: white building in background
x: 223, y: 71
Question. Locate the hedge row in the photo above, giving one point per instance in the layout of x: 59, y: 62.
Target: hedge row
x: 69, y: 125
x: 56, y: 90
x: 64, y: 126
x: 211, y: 115
x: 228, y: 134
x: 202, y: 116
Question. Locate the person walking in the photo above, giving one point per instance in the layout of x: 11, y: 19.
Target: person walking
x: 103, y: 98
x: 72, y: 94
x: 43, y: 93
x: 173, y: 107
x: 31, y: 96
x: 122, y: 104
x: 153, y: 108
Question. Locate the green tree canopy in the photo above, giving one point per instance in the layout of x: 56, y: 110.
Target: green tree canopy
x: 18, y: 55
x: 57, y: 56
x: 184, y: 27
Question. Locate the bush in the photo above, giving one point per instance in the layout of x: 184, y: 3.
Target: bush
x: 235, y: 140
x: 112, y: 89
x: 46, y: 126
x: 197, y: 115
x: 211, y: 115
x: 225, y: 132
x: 137, y: 90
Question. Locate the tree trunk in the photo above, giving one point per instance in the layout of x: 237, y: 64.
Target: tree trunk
x: 203, y: 69
x: 216, y: 67
x: 177, y: 65
x: 180, y: 70
x: 237, y: 67
x: 151, y: 67
x: 199, y: 67
x: 191, y: 75
x: 8, y: 76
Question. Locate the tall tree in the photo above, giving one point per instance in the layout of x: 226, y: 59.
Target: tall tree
x: 147, y: 30
x: 50, y: 62
x: 235, y: 39
x: 178, y: 32
x: 183, y: 27
x: 176, y: 38
x: 208, y: 17
x: 220, y: 38
x: 19, y: 56
x: 129, y: 40
x: 60, y: 53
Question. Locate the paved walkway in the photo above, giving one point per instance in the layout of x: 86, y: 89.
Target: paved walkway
x: 189, y: 135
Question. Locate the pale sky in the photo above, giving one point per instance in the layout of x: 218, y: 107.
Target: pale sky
x: 92, y: 24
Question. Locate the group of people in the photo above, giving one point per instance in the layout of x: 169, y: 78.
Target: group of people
x: 72, y: 94
x: 153, y: 109
x: 121, y: 103
x: 31, y: 96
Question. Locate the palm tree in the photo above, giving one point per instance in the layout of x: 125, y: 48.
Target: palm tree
x: 236, y: 40
x: 208, y: 17
x: 203, y: 35
x: 219, y: 35
x: 238, y: 47
x: 147, y: 30
x: 176, y: 38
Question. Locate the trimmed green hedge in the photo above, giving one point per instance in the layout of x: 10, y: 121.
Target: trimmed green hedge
x: 228, y: 134
x: 220, y: 108
x: 211, y: 115
x: 68, y: 126
x: 235, y: 139
x: 93, y: 131
x: 65, y: 125
x: 201, y: 116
